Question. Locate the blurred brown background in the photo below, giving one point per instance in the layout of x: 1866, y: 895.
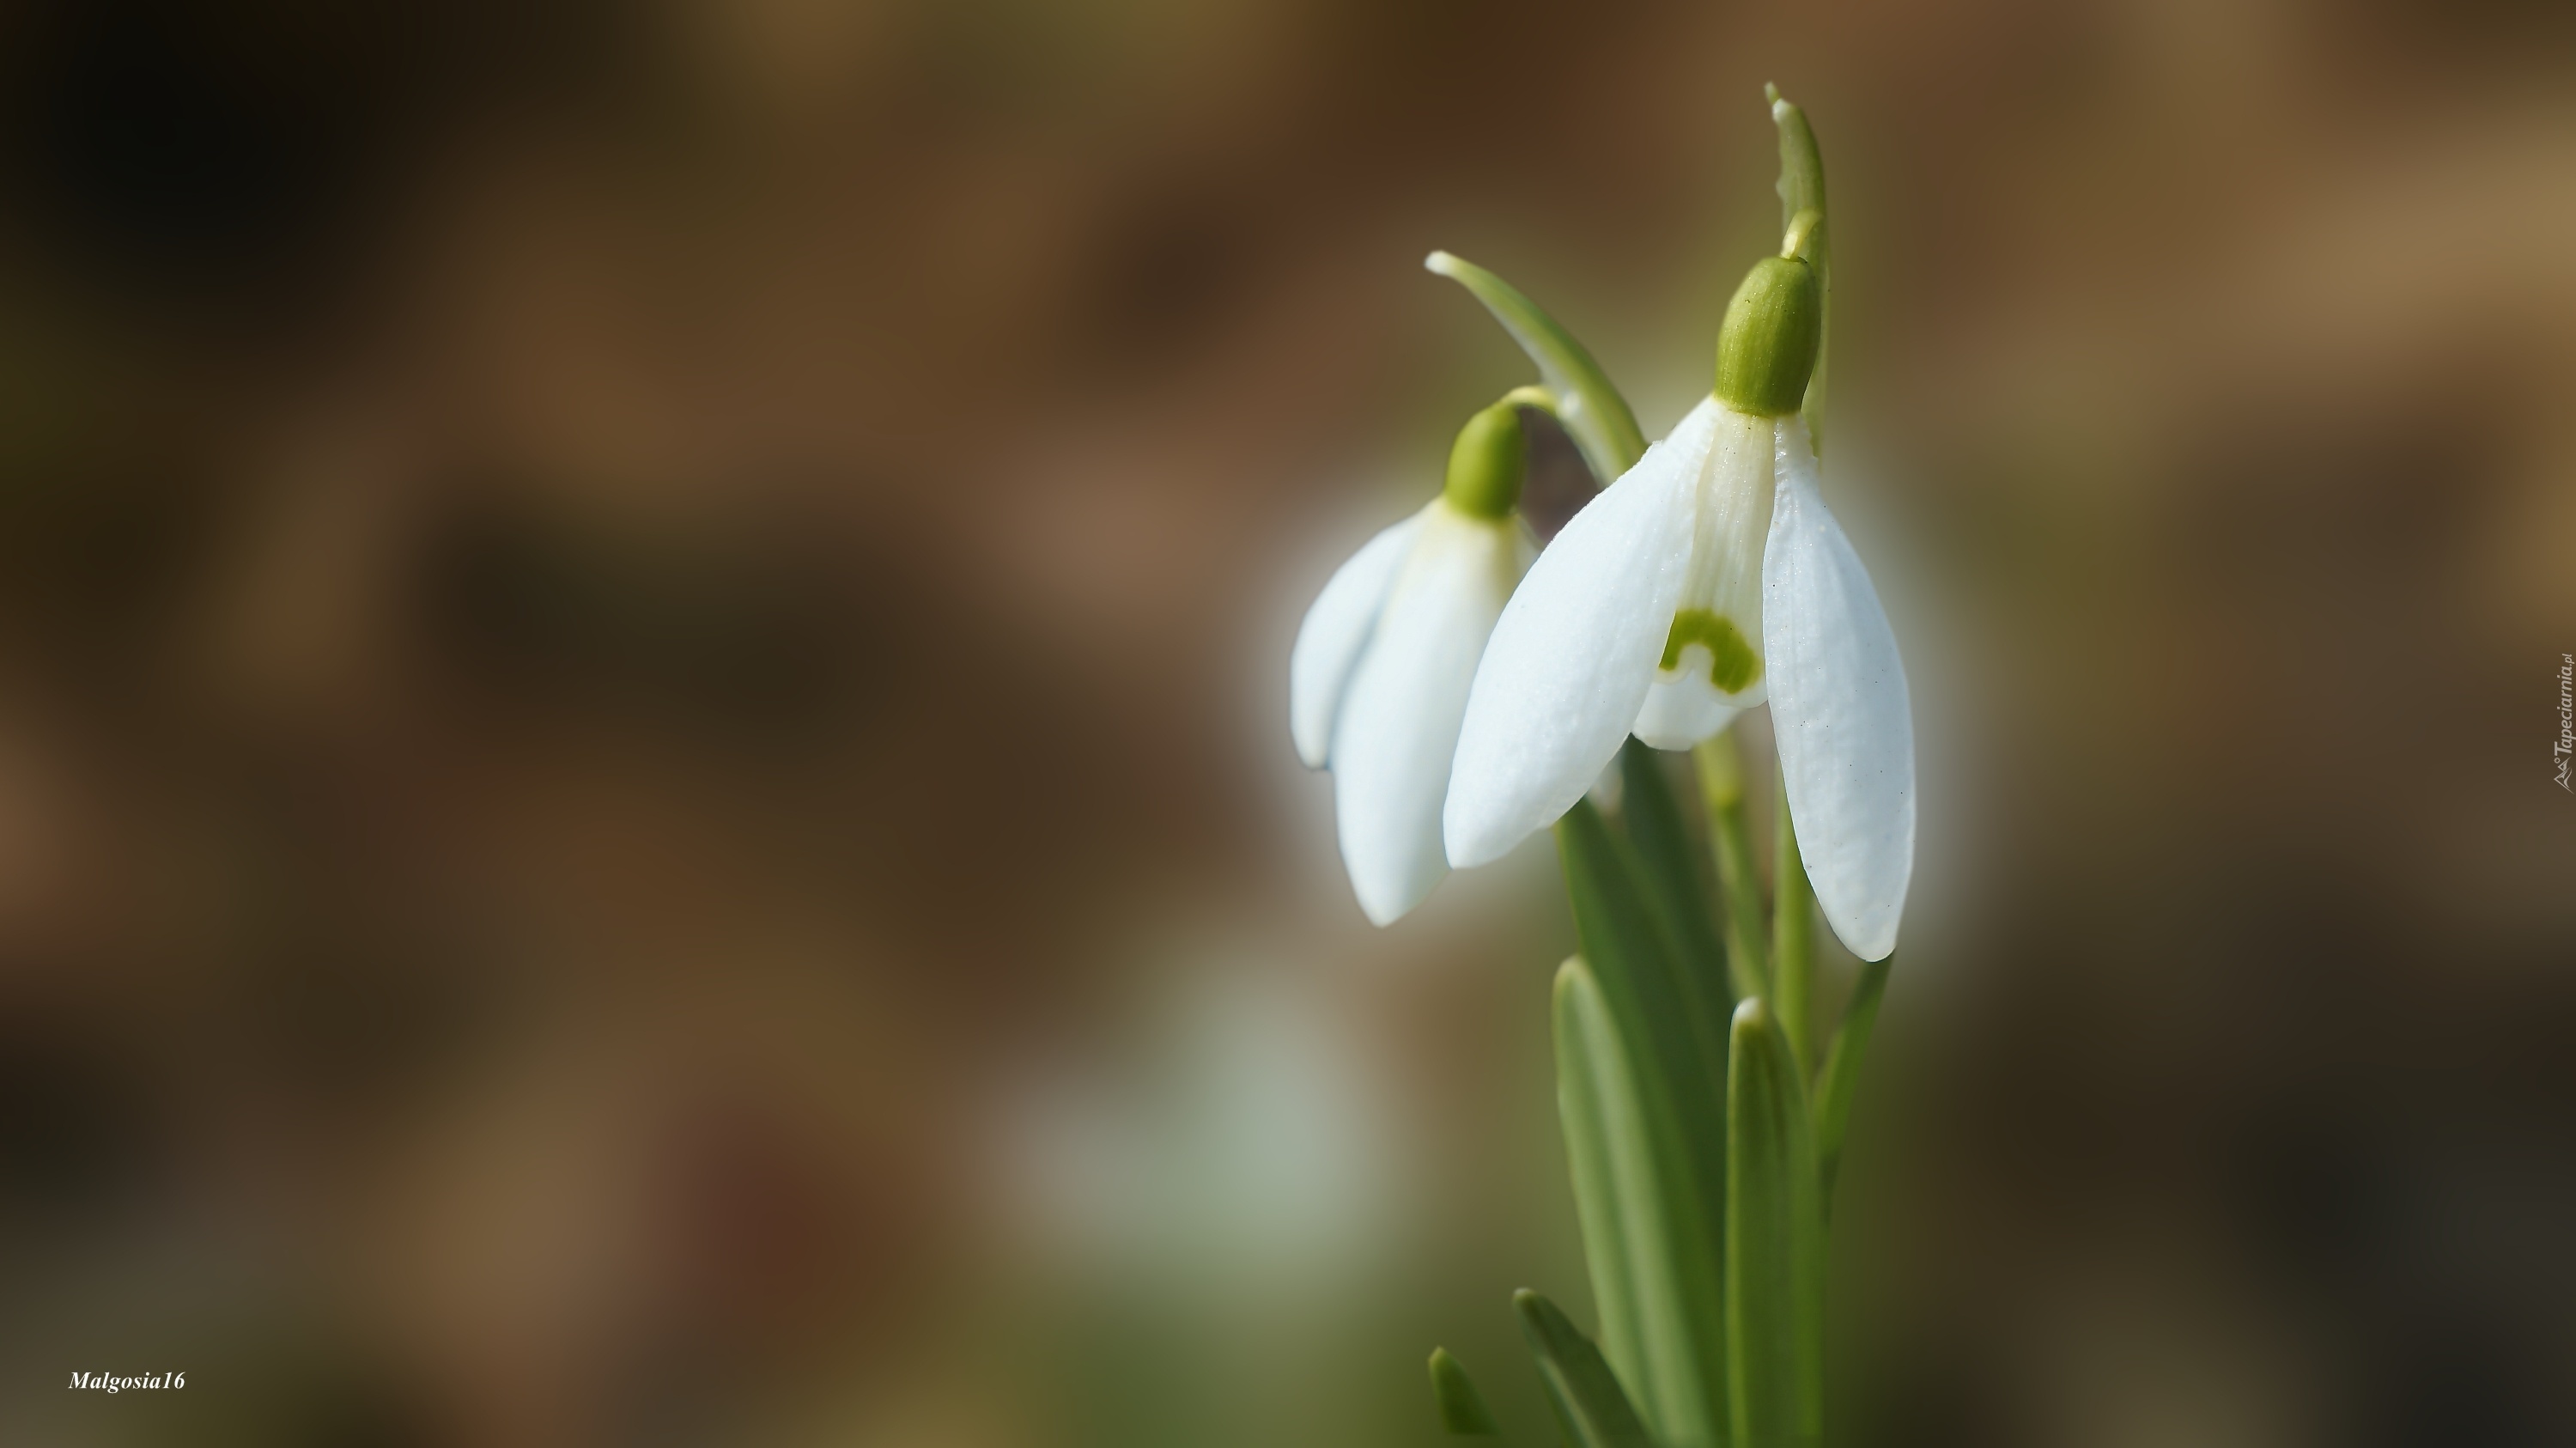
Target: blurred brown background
x: 644, y: 795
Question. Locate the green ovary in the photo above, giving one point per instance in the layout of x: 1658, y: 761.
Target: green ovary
x: 1732, y: 664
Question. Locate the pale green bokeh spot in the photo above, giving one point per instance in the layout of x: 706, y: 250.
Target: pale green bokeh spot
x: 1732, y: 664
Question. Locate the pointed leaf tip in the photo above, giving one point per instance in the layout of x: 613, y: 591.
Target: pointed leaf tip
x: 1774, y: 1243
x: 1463, y: 1413
x: 1589, y: 1403
x: 1648, y: 1224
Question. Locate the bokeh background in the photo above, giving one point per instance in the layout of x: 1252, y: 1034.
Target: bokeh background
x: 644, y: 794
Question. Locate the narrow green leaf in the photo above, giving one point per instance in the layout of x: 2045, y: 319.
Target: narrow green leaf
x: 1774, y: 1243
x: 1594, y: 413
x: 1622, y: 932
x: 1614, y: 920
x: 1463, y: 1413
x: 1646, y: 1235
x: 1676, y: 879
x: 1842, y: 1075
x: 1679, y: 1095
x: 1609, y: 1154
x: 1580, y: 1386
x: 1720, y: 763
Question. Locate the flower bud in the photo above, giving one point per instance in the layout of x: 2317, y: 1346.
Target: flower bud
x: 1486, y: 464
x: 1767, y: 345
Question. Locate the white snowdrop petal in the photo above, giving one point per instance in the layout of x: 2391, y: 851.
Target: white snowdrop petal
x: 1683, y: 708
x: 1335, y: 632
x: 1571, y: 659
x: 1840, y: 711
x: 1399, y: 721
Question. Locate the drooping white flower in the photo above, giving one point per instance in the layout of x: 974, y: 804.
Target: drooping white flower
x: 1379, y: 676
x: 1708, y: 578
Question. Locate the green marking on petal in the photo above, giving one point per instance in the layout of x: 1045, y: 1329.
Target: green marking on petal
x: 1732, y: 663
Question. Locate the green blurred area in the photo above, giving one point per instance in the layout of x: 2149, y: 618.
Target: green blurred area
x: 644, y: 794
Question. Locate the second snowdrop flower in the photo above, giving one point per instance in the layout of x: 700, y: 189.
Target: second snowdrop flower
x: 1379, y: 678
x: 1706, y: 580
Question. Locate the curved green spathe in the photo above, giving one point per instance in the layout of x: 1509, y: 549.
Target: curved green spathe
x: 1802, y: 188
x: 1594, y: 413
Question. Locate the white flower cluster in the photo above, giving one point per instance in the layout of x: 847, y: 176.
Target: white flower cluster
x: 1462, y: 706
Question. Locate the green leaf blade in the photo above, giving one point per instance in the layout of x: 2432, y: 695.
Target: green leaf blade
x: 1463, y: 1413
x: 1580, y: 1386
x: 1677, y: 875
x: 1673, y: 1212
x: 1774, y: 1243
x: 1607, y: 1144
x: 1646, y: 1236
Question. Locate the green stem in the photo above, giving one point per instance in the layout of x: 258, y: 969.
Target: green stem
x: 1841, y: 1076
x: 1793, y: 934
x: 1739, y: 880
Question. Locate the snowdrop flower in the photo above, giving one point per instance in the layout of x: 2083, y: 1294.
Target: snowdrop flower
x: 1378, y: 680
x: 1707, y: 579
